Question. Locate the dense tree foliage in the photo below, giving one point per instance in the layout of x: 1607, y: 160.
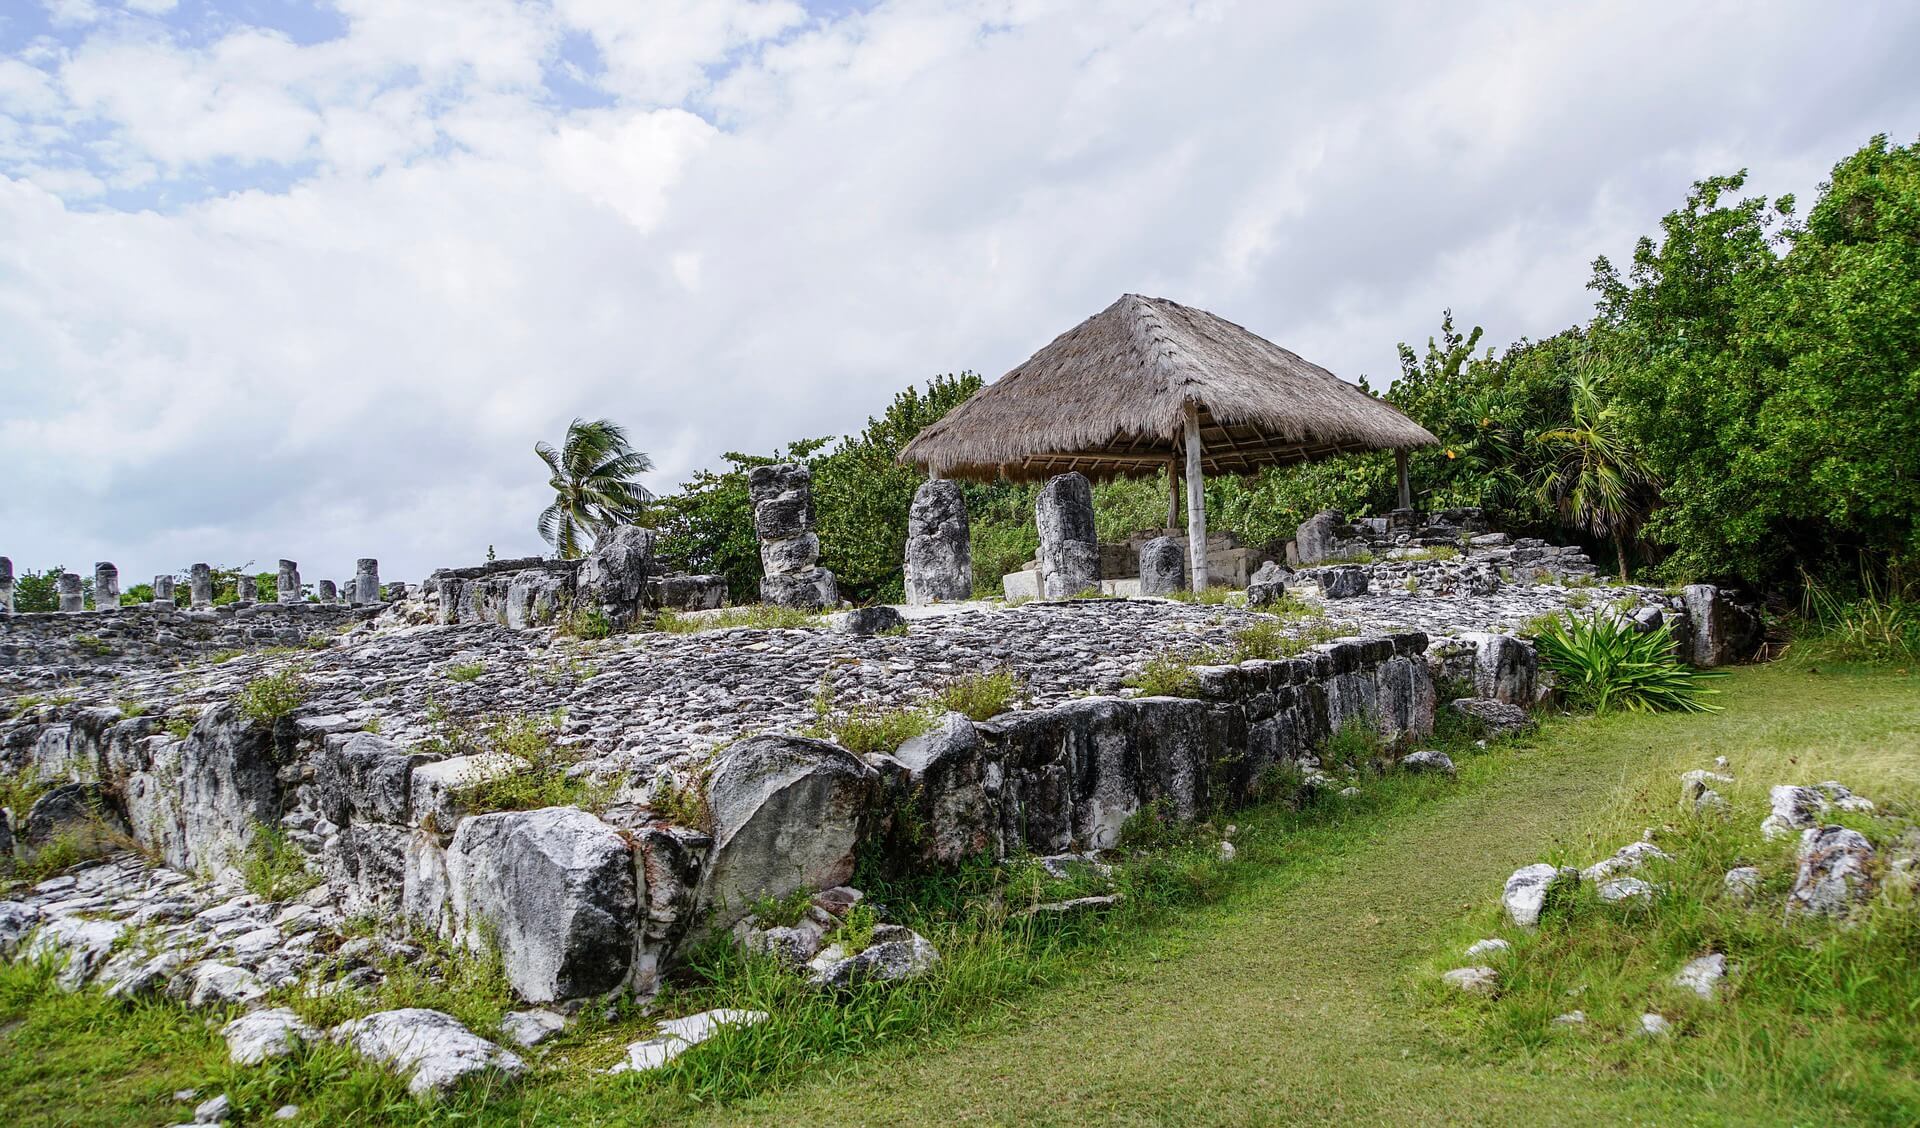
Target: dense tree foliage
x: 595, y: 478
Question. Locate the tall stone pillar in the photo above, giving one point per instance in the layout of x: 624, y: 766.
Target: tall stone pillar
x: 249, y: 589
x: 106, y: 586
x: 939, y: 555
x: 328, y: 593
x: 200, y: 586
x: 1069, y: 547
x: 782, y: 499
x: 366, y: 581
x: 6, y: 586
x: 163, y: 591
x: 71, y: 597
x: 287, y: 584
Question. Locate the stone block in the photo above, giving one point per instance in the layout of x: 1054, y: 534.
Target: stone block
x: 1069, y: 556
x: 939, y: 564
x: 808, y: 591
x: 1163, y: 566
x: 1024, y: 584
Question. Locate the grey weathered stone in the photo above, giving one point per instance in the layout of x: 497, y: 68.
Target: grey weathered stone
x: 106, y: 586
x: 1342, y: 581
x: 6, y: 586
x: 434, y: 789
x: 327, y: 592
x: 212, y: 983
x: 553, y: 889
x: 868, y: 620
x: 83, y: 944
x: 1529, y: 889
x: 74, y: 810
x: 200, y: 585
x: 1436, y: 763
x: 1473, y: 980
x: 813, y: 590
x: 950, y: 774
x: 72, y: 598
x: 1163, y: 567
x: 275, y: 1032
x: 429, y: 1046
x: 249, y: 588
x: 939, y: 564
x: 678, y: 1035
x: 691, y: 593
x: 1505, y: 668
x: 1316, y: 539
x: 1619, y: 889
x: 17, y: 920
x: 1793, y: 808
x: 1268, y: 585
x: 1655, y: 1025
x: 1742, y: 883
x: 366, y: 580
x: 1497, y: 717
x: 1626, y: 859
x: 1069, y: 546
x: 782, y: 498
x: 1723, y: 629
x: 213, y: 1110
x: 529, y: 1028
x: 163, y: 590
x: 1702, y: 975
x: 896, y: 954
x: 1833, y: 873
x: 1487, y: 947
x: 613, y: 578
x: 786, y: 814
x: 286, y: 585
x: 790, y: 555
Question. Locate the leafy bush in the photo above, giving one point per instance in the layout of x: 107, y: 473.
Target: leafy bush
x: 979, y: 697
x: 1270, y: 639
x: 270, y: 697
x: 1603, y: 663
x: 588, y: 623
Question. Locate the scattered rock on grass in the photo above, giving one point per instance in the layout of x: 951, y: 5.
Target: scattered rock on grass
x: 1833, y: 871
x: 276, y: 1032
x: 1655, y: 1025
x: 1526, y: 893
x: 214, y: 1110
x: 1742, y: 882
x: 1794, y: 808
x: 1075, y: 908
x: 1487, y: 946
x: 896, y: 953
x: 429, y: 1046
x: 529, y: 1028
x: 1437, y: 763
x: 1472, y: 980
x: 1571, y: 1018
x: 1619, y: 889
x: 1629, y: 857
x: 678, y: 1035
x: 1498, y: 718
x: 1702, y: 976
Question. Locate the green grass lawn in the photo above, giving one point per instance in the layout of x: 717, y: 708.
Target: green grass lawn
x: 1302, y: 993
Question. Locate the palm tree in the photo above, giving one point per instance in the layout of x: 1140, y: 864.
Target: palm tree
x: 1596, y: 481
x: 594, y: 486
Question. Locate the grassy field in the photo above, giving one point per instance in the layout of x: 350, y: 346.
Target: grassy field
x: 1300, y: 990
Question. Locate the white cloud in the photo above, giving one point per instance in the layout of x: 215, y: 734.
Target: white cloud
x: 368, y: 273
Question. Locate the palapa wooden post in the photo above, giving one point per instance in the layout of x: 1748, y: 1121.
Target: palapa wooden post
x: 1173, y: 497
x: 1196, y: 503
x: 1406, y: 488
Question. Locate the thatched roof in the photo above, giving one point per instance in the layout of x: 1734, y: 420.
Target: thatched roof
x: 1108, y: 398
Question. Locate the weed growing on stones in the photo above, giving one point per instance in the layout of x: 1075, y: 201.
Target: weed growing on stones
x: 979, y: 697
x: 273, y: 867
x: 782, y: 912
x: 1166, y: 675
x: 180, y: 725
x: 466, y: 671
x: 269, y: 697
x: 93, y: 644
x: 1355, y: 745
x: 1432, y: 552
x: 1213, y: 595
x: 759, y: 616
x: 863, y: 729
x: 588, y: 623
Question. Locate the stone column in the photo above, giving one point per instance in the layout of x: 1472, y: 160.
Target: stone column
x: 1069, y: 547
x: 200, y: 584
x: 328, y: 593
x: 106, y: 586
x: 1163, y: 566
x: 396, y: 591
x: 287, y: 584
x: 71, y: 598
x: 163, y: 591
x: 6, y: 586
x: 782, y: 499
x: 939, y: 554
x: 248, y: 588
x: 366, y: 581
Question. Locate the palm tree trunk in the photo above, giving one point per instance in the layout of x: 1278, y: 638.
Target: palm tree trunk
x: 1620, y: 554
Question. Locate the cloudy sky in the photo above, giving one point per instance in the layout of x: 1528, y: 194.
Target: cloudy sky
x: 309, y: 279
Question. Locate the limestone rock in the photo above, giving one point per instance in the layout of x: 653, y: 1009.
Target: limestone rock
x: 16, y: 921
x: 1342, y: 581
x: 214, y: 1110
x: 613, y: 578
x: 1528, y: 890
x: 435, y: 788
x: 529, y: 1028
x: 1655, y: 1026
x: 1505, y: 668
x: 1832, y: 877
x: 1794, y: 808
x: 1163, y: 567
x: 1629, y: 857
x: 1723, y: 629
x: 1621, y: 889
x: 678, y: 1035
x: 867, y: 621
x: 1472, y: 980
x: 939, y: 564
x: 1571, y: 1018
x: 554, y: 890
x: 951, y: 776
x: 691, y: 593
x: 1487, y: 947
x: 786, y: 815
x: 1069, y: 547
x: 1429, y: 763
x: 1702, y: 975
x: 255, y: 1037
x: 71, y: 808
x: 1496, y: 718
x: 429, y: 1046
x: 895, y: 954
x: 812, y: 590
x: 214, y: 984
x: 1268, y: 585
x: 1742, y: 883
x: 84, y: 944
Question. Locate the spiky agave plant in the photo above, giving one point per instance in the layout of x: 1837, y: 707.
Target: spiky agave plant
x: 1603, y: 663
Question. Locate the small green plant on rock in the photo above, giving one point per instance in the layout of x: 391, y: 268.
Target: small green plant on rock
x: 782, y: 912
x: 180, y: 725
x: 93, y: 644
x: 268, y: 698
x: 273, y: 868
x: 466, y: 671
x: 1166, y: 675
x: 979, y: 697
x: 758, y: 616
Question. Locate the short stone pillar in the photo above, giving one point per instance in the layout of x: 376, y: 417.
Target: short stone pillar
x: 163, y: 591
x: 1268, y: 585
x: 328, y: 593
x: 6, y: 586
x: 366, y: 581
x: 1163, y: 566
x: 200, y: 586
x: 71, y: 596
x: 249, y: 589
x: 1069, y: 547
x: 106, y: 586
x: 939, y: 552
x: 782, y: 497
x: 1343, y: 581
x: 286, y: 585
x: 396, y: 591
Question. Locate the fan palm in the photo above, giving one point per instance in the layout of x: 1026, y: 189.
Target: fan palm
x: 1596, y: 482
x: 594, y: 484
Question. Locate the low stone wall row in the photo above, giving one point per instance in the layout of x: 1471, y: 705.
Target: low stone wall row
x: 584, y: 903
x: 45, y: 650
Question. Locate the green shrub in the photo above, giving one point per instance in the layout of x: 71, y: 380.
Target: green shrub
x: 588, y: 623
x: 273, y: 868
x: 1270, y: 640
x: 758, y: 615
x: 979, y: 697
x: 180, y: 725
x: 1355, y: 744
x: 1875, y: 627
x: 864, y: 729
x: 782, y: 912
x: 544, y: 782
x: 1166, y: 675
x: 682, y: 804
x: 268, y: 698
x: 1603, y: 663
x: 466, y: 671
x: 93, y: 644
